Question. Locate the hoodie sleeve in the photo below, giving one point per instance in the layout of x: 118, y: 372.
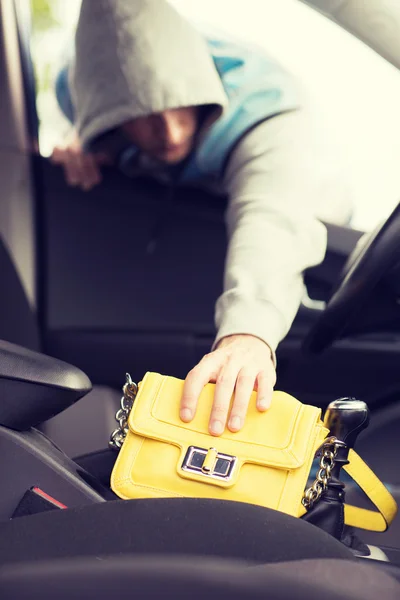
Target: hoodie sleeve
x: 273, y: 231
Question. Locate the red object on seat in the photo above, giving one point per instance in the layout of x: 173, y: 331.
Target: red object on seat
x: 50, y: 499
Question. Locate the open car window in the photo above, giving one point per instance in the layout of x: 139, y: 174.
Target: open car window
x: 353, y: 93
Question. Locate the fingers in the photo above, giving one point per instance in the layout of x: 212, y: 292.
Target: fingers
x: 56, y: 155
x: 239, y: 367
x: 205, y: 371
x: 90, y: 171
x: 265, y: 388
x: 72, y: 168
x: 80, y: 169
x: 243, y: 390
x: 224, y: 389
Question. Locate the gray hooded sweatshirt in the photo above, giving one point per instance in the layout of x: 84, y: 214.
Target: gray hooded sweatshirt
x: 139, y: 57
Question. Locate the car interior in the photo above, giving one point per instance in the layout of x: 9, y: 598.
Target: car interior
x: 91, y: 289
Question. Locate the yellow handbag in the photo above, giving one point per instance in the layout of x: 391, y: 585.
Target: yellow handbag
x: 267, y: 462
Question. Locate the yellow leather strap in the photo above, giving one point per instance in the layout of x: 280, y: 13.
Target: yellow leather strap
x: 376, y: 492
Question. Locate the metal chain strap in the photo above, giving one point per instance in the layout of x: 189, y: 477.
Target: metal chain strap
x: 329, y: 452
x: 118, y: 436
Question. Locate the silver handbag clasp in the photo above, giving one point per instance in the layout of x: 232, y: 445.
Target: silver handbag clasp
x: 210, y: 463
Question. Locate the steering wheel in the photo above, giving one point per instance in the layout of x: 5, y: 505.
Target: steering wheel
x: 366, y: 267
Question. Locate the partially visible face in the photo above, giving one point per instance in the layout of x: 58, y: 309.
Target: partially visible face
x: 166, y: 136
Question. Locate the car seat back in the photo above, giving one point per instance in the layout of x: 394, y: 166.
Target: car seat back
x: 18, y: 322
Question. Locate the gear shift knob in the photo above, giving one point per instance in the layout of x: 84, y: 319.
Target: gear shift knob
x: 346, y: 418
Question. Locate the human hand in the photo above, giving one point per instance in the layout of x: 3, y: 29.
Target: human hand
x: 239, y: 365
x: 81, y: 169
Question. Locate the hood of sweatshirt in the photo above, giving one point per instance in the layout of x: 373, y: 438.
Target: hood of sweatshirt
x: 135, y: 58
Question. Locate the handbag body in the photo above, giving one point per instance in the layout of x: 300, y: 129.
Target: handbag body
x: 266, y: 463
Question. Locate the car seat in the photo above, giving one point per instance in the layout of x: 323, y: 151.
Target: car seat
x: 19, y: 325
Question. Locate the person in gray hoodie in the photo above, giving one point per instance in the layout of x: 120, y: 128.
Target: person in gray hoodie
x: 149, y: 92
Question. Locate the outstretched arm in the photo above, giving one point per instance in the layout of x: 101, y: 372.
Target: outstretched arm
x: 274, y: 235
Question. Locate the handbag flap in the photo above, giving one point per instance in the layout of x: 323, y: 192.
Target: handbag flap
x: 279, y: 437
